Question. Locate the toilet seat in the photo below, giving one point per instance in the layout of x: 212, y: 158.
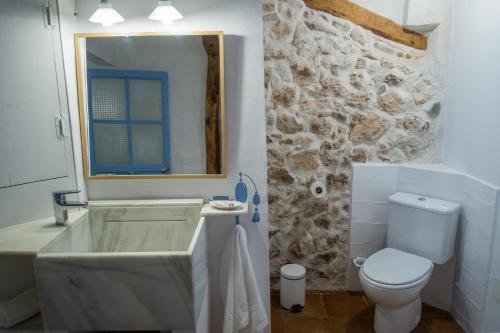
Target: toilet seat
x: 388, y: 287
x: 394, y: 269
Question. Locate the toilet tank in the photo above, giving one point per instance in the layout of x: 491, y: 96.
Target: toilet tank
x: 423, y: 226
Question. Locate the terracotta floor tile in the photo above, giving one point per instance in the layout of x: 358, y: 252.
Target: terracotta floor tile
x: 442, y: 325
x: 361, y: 325
x: 346, y: 305
x: 306, y: 325
x: 371, y: 305
x: 421, y: 328
x: 347, y: 312
x: 429, y: 311
x: 277, y: 325
x: 276, y: 310
x: 275, y: 291
x: 351, y: 325
x: 314, y: 308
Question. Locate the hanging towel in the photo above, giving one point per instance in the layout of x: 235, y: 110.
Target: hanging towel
x: 21, y: 307
x: 243, y: 305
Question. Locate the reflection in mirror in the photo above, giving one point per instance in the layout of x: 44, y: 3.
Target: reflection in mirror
x: 153, y: 104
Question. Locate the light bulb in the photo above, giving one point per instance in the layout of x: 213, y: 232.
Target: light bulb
x: 165, y: 12
x: 106, y: 15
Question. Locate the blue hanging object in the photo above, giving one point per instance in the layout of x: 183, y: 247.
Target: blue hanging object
x: 256, y: 216
x: 241, y: 192
x: 236, y: 219
x: 256, y: 199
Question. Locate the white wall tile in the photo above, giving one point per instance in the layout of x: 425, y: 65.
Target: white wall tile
x: 371, y: 191
x: 407, y: 174
x: 492, y: 311
x: 368, y: 232
x: 480, y: 190
x: 481, y: 214
x: 473, y: 237
x: 353, y: 283
x: 387, y: 173
x: 439, y: 290
x: 369, y: 212
x: 495, y: 262
x: 465, y: 311
x: 365, y: 249
x: 379, y: 172
x: 475, y: 262
x: 471, y: 286
x: 439, y: 179
x: 363, y: 172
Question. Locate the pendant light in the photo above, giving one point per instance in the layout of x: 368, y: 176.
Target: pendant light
x: 106, y: 15
x: 165, y: 12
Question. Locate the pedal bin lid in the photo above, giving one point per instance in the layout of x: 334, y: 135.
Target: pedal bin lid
x: 293, y: 272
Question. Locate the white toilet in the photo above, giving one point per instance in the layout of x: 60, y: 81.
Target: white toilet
x: 421, y: 233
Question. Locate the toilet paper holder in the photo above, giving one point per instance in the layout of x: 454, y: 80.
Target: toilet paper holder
x: 318, y: 190
x: 358, y: 261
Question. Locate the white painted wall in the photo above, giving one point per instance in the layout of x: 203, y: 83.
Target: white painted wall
x: 471, y: 126
x: 241, y: 21
x: 471, y: 134
x: 185, y: 61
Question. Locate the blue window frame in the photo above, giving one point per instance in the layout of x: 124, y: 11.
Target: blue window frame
x: 131, y: 166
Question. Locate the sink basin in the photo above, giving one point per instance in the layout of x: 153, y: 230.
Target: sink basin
x: 127, y: 265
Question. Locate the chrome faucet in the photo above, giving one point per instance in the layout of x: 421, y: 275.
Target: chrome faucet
x: 61, y: 205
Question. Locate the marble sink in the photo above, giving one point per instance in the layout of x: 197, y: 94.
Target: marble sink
x: 127, y: 265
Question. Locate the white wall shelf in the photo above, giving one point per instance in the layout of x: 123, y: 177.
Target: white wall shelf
x: 208, y: 210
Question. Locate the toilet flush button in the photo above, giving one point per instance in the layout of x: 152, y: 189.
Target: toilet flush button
x: 496, y: 289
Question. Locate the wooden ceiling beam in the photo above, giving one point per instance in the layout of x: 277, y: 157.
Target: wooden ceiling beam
x: 379, y: 25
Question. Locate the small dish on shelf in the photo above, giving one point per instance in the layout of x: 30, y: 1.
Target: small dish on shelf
x: 226, y: 204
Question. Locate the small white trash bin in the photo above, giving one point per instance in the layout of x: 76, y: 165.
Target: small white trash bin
x: 293, y: 287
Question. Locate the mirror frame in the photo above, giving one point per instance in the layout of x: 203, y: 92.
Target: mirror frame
x: 83, y: 113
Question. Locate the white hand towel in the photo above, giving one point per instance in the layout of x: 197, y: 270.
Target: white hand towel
x: 23, y: 306
x: 243, y: 305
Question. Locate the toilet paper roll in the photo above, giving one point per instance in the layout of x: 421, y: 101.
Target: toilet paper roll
x: 318, y: 190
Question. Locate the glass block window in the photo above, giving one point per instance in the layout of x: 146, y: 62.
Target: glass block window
x: 145, y: 100
x: 108, y: 99
x: 128, y: 122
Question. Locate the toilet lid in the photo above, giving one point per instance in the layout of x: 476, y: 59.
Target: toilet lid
x: 395, y: 267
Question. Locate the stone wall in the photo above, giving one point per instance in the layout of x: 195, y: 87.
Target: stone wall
x: 335, y: 93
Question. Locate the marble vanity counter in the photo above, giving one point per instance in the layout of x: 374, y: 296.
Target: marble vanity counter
x: 145, y: 203
x: 31, y: 237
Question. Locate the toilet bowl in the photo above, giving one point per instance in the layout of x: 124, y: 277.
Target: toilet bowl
x: 420, y: 233
x: 393, y: 279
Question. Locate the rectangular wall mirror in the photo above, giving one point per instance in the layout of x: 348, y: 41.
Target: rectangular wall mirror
x: 151, y: 105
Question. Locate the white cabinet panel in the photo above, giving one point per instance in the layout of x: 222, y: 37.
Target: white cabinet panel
x: 30, y: 99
